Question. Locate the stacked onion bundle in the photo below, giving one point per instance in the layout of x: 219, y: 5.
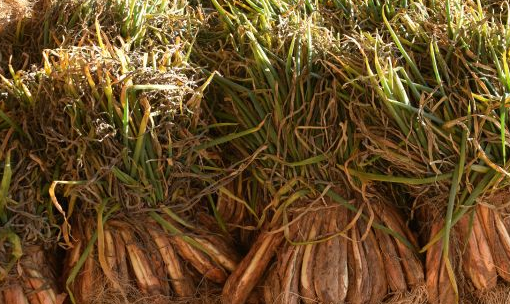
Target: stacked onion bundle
x: 157, y: 264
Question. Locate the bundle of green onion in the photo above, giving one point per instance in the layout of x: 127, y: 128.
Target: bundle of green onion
x: 286, y: 116
x: 429, y: 98
x: 118, y: 129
